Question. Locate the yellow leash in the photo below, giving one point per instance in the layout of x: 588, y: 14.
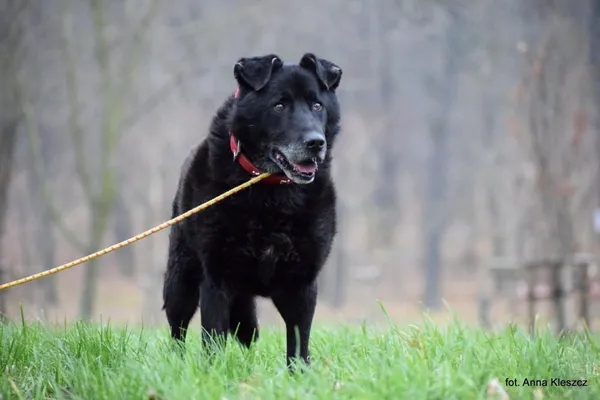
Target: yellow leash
x: 134, y: 239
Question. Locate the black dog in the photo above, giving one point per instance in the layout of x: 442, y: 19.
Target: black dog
x: 272, y: 239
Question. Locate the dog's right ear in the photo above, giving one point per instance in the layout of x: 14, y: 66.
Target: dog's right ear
x: 328, y: 73
x: 255, y: 72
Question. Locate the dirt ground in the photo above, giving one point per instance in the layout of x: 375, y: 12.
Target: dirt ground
x: 122, y: 302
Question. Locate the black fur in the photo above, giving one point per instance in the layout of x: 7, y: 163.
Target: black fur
x: 269, y: 240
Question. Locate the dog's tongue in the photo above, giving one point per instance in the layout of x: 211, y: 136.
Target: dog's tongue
x: 308, y: 168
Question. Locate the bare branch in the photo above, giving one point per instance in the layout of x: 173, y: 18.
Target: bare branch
x: 35, y: 147
x: 7, y: 28
x: 151, y: 102
x: 74, y: 107
x: 110, y: 116
x: 135, y: 47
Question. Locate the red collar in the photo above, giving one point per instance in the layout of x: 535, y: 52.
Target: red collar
x: 234, y: 145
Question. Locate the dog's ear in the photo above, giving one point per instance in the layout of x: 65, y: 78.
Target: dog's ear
x: 328, y: 73
x: 255, y: 72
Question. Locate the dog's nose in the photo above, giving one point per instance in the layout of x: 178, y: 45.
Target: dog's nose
x: 314, y: 140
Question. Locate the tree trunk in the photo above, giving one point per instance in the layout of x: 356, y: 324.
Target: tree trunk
x: 8, y: 139
x: 44, y: 234
x: 386, y: 197
x: 90, y: 287
x: 10, y: 115
x: 436, y: 213
x: 594, y: 37
x: 437, y: 173
x: 340, y: 261
x: 90, y: 272
x: 123, y: 229
x: 155, y: 258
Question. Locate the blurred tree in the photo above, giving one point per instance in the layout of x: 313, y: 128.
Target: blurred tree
x: 44, y: 238
x: 10, y: 113
x: 388, y: 152
x: 444, y: 90
x: 123, y: 229
x: 341, y: 261
x: 93, y: 153
x: 594, y: 37
x: 557, y: 81
x: 115, y: 93
x: 8, y: 140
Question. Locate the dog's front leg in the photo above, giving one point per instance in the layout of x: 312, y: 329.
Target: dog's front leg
x: 297, y: 308
x: 215, y: 306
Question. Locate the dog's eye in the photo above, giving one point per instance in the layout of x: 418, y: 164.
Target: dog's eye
x: 317, y: 107
x: 278, y: 107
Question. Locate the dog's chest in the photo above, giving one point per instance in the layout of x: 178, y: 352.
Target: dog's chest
x: 273, y: 246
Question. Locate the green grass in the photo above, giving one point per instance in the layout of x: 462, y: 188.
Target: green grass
x: 425, y: 362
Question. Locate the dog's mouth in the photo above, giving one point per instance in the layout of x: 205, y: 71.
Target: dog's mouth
x: 302, y: 171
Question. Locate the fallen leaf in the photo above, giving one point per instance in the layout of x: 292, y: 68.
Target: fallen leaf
x: 152, y: 395
x: 414, y: 343
x: 495, y: 391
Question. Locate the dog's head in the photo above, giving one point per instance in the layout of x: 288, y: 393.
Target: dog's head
x: 286, y: 116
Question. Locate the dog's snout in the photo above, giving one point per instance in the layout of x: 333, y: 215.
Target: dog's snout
x: 314, y: 141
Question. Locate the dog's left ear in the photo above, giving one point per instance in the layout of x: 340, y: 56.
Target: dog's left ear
x: 328, y: 73
x: 255, y: 72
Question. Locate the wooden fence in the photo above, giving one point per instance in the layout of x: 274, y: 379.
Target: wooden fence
x: 569, y: 284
